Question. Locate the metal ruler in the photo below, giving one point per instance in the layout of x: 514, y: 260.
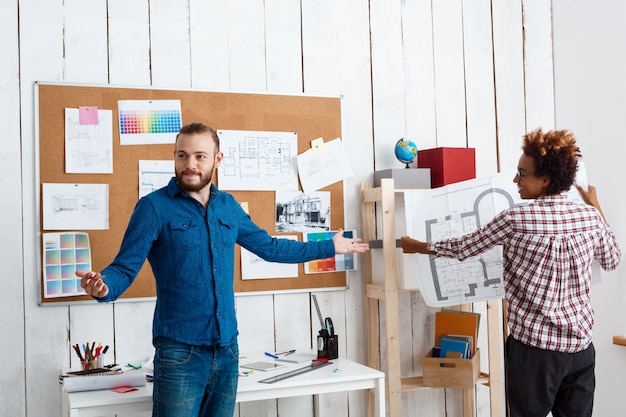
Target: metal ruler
x: 295, y: 372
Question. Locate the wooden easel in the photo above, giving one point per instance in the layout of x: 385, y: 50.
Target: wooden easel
x: 388, y: 292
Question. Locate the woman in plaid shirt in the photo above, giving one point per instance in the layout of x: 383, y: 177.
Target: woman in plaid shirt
x: 548, y: 246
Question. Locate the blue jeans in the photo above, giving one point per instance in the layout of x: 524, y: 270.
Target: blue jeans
x: 194, y: 380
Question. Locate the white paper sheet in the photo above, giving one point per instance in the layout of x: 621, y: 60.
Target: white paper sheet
x: 88, y: 147
x: 75, y: 206
x: 321, y: 167
x: 253, y: 267
x: 255, y: 160
x: 144, y: 122
x: 154, y: 175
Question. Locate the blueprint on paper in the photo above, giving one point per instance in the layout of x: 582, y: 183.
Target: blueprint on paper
x: 261, y: 161
x: 453, y: 211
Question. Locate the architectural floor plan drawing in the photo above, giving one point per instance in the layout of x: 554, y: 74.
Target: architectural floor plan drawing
x: 452, y: 211
x: 258, y: 160
x: 455, y: 210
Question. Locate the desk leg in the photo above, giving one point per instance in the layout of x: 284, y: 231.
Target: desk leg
x: 65, y: 407
x: 379, y: 398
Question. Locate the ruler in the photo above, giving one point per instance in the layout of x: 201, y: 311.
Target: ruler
x: 295, y: 372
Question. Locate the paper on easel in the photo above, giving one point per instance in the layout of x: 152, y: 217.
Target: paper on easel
x: 96, y: 382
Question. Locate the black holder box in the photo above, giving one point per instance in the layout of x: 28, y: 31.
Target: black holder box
x: 328, y: 347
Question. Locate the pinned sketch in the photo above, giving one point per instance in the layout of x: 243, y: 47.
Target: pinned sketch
x: 89, y: 146
x: 149, y: 121
x: 154, y: 175
x: 300, y: 212
x: 75, y: 206
x: 258, y: 160
x: 452, y: 211
x: 63, y: 254
x: 254, y: 267
x: 340, y: 262
x: 323, y: 165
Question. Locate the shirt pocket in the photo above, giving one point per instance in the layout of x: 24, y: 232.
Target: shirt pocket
x: 228, y: 232
x: 185, y: 234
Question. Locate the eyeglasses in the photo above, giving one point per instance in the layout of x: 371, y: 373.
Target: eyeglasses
x: 522, y: 174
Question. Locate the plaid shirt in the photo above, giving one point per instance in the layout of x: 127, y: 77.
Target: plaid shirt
x: 549, y: 246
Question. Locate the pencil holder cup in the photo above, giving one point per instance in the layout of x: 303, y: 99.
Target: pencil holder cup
x: 92, y: 364
x: 328, y: 347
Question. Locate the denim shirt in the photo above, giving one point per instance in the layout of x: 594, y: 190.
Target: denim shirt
x: 191, y: 251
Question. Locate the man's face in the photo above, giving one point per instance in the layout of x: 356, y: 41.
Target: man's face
x: 195, y: 161
x: 529, y: 185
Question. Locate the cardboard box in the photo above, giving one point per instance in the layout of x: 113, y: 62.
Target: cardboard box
x: 448, y: 165
x: 407, y: 178
x: 451, y: 373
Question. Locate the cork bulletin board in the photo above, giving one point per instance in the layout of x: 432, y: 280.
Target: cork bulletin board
x: 310, y: 117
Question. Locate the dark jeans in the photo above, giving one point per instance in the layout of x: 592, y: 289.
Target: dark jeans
x: 194, y: 380
x: 539, y: 381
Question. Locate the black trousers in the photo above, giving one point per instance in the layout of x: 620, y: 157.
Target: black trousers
x: 539, y: 381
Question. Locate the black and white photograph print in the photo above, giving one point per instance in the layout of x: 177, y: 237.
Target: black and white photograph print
x: 300, y: 212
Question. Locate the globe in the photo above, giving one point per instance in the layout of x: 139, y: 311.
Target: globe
x: 405, y: 151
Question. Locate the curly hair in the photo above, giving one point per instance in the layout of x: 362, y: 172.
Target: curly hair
x: 555, y: 155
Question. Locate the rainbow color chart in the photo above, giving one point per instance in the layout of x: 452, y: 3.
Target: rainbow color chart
x: 149, y: 121
x: 134, y: 122
x: 344, y: 262
x: 63, y: 254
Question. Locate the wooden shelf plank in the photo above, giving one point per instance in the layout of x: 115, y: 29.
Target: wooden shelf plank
x: 619, y: 340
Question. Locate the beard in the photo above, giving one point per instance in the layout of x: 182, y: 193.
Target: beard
x: 187, y: 187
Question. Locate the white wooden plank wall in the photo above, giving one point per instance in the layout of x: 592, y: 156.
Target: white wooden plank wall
x: 12, y: 379
x: 508, y: 53
x: 450, y: 73
x: 419, y: 74
x: 210, y: 66
x: 538, y: 65
x: 129, y: 42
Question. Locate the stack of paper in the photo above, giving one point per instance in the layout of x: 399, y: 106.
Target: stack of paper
x: 96, y: 382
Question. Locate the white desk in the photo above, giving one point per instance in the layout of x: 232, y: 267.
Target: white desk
x: 342, y: 375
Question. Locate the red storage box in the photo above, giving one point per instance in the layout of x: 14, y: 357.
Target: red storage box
x: 448, y: 165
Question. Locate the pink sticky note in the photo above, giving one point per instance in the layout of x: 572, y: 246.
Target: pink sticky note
x: 123, y: 390
x: 88, y: 115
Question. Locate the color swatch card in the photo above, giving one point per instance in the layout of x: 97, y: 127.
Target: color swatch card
x: 343, y: 262
x: 149, y: 121
x: 63, y: 254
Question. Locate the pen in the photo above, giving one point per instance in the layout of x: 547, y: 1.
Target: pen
x: 271, y: 355
x: 287, y: 353
x: 77, y: 350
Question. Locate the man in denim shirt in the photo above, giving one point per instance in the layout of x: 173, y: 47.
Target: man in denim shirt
x: 188, y: 231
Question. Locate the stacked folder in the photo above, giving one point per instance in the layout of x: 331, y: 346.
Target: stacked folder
x: 455, y: 334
